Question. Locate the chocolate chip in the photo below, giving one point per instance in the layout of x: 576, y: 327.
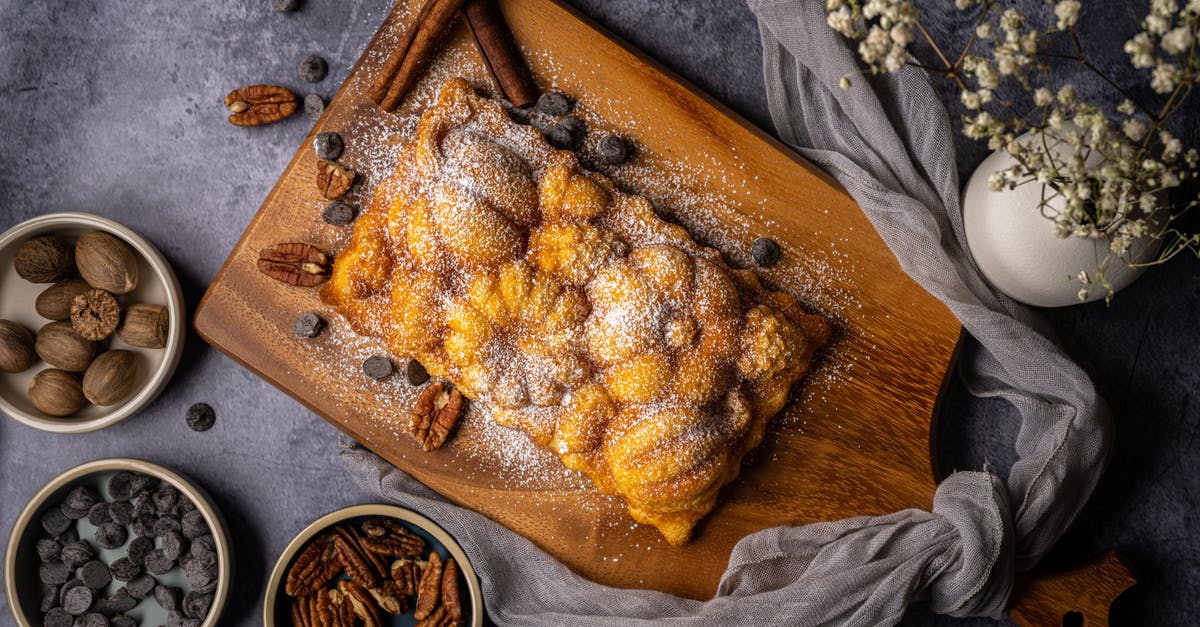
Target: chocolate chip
x: 541, y: 121
x: 76, y: 554
x: 309, y: 325
x: 204, y: 546
x: 95, y: 619
x: 157, y: 563
x: 68, y: 536
x: 193, y: 525
x: 329, y: 145
x: 765, y: 252
x: 172, y: 544
x: 121, y: 512
x: 111, y: 535
x: 416, y: 373
x: 48, y: 550
x: 125, y: 569
x: 81, y: 498
x: 613, y: 150
x: 377, y: 367
x: 144, y: 505
x: 313, y: 69
x: 554, y: 103
x: 139, y: 548
x: 338, y: 213
x: 95, y: 575
x: 100, y: 514
x: 168, y: 523
x: 121, y: 602
x: 559, y: 137
x: 54, y: 572
x: 284, y: 6
x: 58, y: 617
x: 175, y: 619
x: 54, y: 521
x: 574, y: 126
x: 73, y: 513
x: 77, y: 599
x: 141, y: 484
x: 314, y: 106
x: 182, y: 507
x: 141, y: 587
x: 167, y: 597
x: 120, y: 486
x: 200, y: 417
x: 165, y: 498
x: 121, y: 620
x: 49, y: 599
x: 195, y: 605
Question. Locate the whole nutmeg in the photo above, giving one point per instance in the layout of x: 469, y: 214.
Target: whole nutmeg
x: 62, y: 347
x: 107, y: 263
x: 95, y: 314
x: 16, y: 347
x: 44, y: 259
x: 56, y: 392
x: 54, y: 303
x: 145, y: 326
x: 111, y: 377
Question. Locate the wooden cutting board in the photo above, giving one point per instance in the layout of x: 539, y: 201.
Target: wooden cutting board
x: 855, y: 439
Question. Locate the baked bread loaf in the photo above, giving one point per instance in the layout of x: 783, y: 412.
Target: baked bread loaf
x: 572, y: 311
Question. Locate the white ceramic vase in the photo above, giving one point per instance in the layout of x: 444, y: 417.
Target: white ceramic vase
x: 1016, y: 249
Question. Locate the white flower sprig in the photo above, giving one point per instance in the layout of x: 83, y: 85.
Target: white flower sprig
x: 1103, y: 176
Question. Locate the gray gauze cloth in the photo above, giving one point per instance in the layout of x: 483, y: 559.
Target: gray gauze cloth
x: 888, y: 140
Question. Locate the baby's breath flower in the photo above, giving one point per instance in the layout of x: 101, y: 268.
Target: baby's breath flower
x: 1066, y: 95
x: 1140, y: 50
x: 1012, y: 21
x: 1042, y: 97
x: 1164, y: 77
x: 984, y: 30
x: 1127, y: 107
x: 844, y: 83
x: 1067, y: 12
x: 1134, y: 129
x: 842, y: 21
x: 1177, y: 40
x: 1156, y: 24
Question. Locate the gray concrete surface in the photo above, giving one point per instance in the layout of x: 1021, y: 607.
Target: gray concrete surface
x: 114, y: 107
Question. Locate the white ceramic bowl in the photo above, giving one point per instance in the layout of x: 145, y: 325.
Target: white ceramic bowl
x: 277, y: 606
x: 22, y: 586
x: 157, y: 284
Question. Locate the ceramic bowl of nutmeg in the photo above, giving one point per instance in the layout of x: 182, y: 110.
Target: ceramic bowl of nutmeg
x: 373, y: 564
x: 91, y: 322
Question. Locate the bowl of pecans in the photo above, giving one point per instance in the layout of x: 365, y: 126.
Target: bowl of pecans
x: 91, y: 322
x: 373, y: 565
x: 119, y: 542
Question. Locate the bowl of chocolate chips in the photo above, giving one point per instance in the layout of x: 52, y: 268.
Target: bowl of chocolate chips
x: 91, y: 322
x: 118, y: 542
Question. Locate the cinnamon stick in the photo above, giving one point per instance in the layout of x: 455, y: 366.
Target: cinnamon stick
x: 500, y: 54
x: 427, y: 33
x: 387, y: 74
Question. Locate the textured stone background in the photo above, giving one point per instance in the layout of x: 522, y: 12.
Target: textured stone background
x: 114, y: 108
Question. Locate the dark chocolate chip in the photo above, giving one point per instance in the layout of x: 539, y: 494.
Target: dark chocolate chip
x: 81, y: 497
x: 76, y: 554
x: 204, y: 546
x: 122, y: 620
x: 49, y: 599
x: 72, y: 513
x: 121, y: 512
x: 541, y: 121
x: 182, y: 507
x: 613, y: 150
x: 193, y: 525
x: 68, y: 536
x: 165, y: 498
x: 554, y: 103
x: 48, y: 550
x: 559, y: 137
x: 141, y: 587
x: 100, y: 514
x: 765, y: 252
x: 338, y: 213
x: 575, y: 126
x: 120, y: 486
x: 54, y: 521
x: 309, y: 325
x: 416, y: 373
x: 111, y: 535
x: 125, y: 569
x: 95, y: 619
x: 54, y: 572
x: 157, y: 563
x: 168, y: 523
x: 328, y: 145
x: 314, y: 106
x: 95, y: 575
x: 143, y: 526
x: 77, y: 600
x: 195, y: 605
x: 139, y: 548
x: 285, y: 6
x: 141, y: 484
x: 313, y: 69
x: 172, y: 544
x: 377, y: 367
x: 58, y: 617
x: 200, y: 417
x: 121, y: 602
x: 175, y: 619
x: 167, y: 597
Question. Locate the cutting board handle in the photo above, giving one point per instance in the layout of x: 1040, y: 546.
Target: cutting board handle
x: 1076, y: 597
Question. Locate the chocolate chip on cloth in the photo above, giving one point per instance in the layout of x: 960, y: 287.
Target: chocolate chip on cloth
x: 121, y: 512
x: 58, y: 617
x: 77, y: 599
x: 167, y: 597
x: 100, y: 513
x: 201, y: 417
x: 49, y: 599
x: 284, y: 6
x: 48, y: 549
x: 328, y: 145
x: 54, y: 521
x: 172, y: 544
x: 313, y: 69
x: 76, y: 554
x: 567, y: 133
x: 141, y: 587
x: 157, y: 563
x: 193, y: 525
x: 124, y: 568
x: 95, y: 575
x: 314, y: 106
x: 111, y: 535
x: 165, y: 498
x: 308, y: 326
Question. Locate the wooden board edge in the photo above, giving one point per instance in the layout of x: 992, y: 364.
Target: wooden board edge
x: 935, y: 468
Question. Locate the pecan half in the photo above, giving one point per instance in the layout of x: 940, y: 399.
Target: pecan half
x: 407, y: 575
x: 324, y: 612
x: 363, y: 566
x: 390, y: 538
x: 434, y: 415
x: 333, y: 179
x: 429, y: 588
x: 295, y: 263
x: 313, y: 568
x: 343, y: 609
x: 440, y: 617
x: 450, y: 598
x: 302, y: 613
x: 361, y: 603
x: 259, y: 104
x: 389, y: 598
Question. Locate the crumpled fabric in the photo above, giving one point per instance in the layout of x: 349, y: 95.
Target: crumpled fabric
x: 887, y: 139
